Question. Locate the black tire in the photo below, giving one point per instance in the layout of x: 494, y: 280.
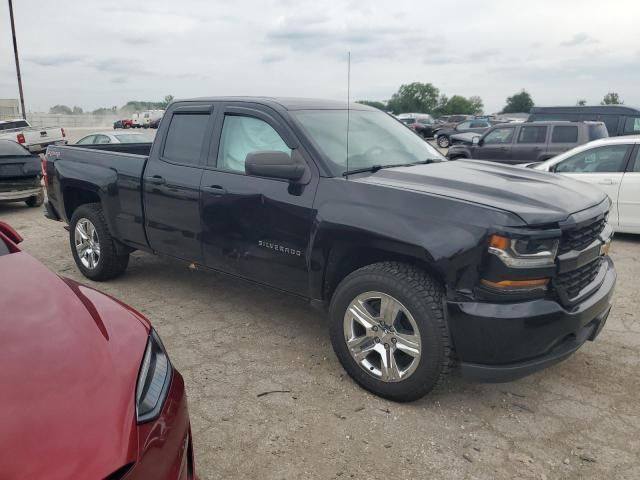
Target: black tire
x: 423, y: 297
x: 442, y: 141
x: 110, y: 264
x: 36, y: 200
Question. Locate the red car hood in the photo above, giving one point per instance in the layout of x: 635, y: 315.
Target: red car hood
x: 70, y: 358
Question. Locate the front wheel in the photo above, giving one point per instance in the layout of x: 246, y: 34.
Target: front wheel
x: 94, y: 249
x: 389, y: 331
x: 443, y: 141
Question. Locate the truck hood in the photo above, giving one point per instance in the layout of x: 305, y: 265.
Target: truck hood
x: 70, y: 358
x: 536, y: 197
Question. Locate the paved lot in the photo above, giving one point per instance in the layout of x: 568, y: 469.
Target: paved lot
x: 233, y: 340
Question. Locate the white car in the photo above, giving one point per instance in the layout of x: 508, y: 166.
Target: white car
x: 101, y: 138
x: 613, y: 165
x: 34, y: 139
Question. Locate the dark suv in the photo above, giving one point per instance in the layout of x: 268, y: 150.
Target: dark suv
x: 619, y: 119
x: 528, y: 142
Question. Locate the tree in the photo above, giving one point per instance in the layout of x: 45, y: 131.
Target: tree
x: 167, y: 100
x: 611, y: 98
x: 76, y: 110
x: 374, y: 104
x: 61, y: 110
x: 414, y: 97
x: 581, y: 103
x: 459, y: 104
x: 518, y: 103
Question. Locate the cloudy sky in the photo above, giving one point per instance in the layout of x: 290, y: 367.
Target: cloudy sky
x: 95, y: 53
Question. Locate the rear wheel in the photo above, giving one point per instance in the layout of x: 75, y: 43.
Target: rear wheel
x: 94, y: 249
x: 389, y: 332
x: 36, y: 200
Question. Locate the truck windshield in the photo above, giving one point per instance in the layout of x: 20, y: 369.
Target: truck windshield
x: 375, y: 139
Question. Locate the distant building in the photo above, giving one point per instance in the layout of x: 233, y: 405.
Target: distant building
x: 9, y: 108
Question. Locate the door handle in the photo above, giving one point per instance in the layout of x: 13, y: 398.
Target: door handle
x: 156, y: 180
x: 216, y: 190
x: 607, y: 181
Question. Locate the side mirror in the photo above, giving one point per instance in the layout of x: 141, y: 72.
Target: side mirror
x: 475, y: 140
x: 273, y: 164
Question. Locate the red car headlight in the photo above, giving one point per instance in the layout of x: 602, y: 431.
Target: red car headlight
x: 153, y: 380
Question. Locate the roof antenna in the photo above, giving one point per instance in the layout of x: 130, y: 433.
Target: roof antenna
x: 348, y: 104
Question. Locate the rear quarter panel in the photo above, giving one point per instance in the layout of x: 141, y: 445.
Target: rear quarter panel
x: 115, y: 178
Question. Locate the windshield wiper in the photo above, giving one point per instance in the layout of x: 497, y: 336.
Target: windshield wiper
x: 375, y: 168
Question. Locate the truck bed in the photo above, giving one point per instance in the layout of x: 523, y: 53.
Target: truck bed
x: 113, y: 173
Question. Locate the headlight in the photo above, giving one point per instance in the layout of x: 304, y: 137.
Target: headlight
x: 524, y: 253
x: 153, y: 380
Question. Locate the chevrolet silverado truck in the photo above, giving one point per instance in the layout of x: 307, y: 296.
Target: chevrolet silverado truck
x: 424, y: 265
x: 20, y: 175
x: 34, y: 139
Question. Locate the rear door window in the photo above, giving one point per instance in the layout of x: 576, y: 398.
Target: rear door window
x: 564, y: 134
x: 534, y: 134
x: 185, y: 138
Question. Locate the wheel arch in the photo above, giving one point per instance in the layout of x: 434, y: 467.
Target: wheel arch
x: 346, y: 258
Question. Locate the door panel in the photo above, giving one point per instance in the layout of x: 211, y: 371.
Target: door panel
x: 629, y: 203
x: 172, y: 184
x: 530, y: 144
x: 629, y: 196
x: 603, y: 167
x: 257, y: 228
x: 496, y: 144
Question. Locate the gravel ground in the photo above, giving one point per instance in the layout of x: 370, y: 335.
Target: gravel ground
x: 233, y: 341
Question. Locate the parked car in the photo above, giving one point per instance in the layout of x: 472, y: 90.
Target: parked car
x: 443, y: 135
x: 421, y: 123
x: 619, y: 119
x: 148, y: 116
x: 155, y: 123
x: 516, y: 143
x: 35, y: 139
x: 109, y: 137
x: 20, y: 175
x: 415, y: 257
x: 88, y: 388
x: 451, y: 122
x: 125, y: 123
x: 612, y: 165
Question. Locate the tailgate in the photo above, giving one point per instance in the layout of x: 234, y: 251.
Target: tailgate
x: 42, y: 135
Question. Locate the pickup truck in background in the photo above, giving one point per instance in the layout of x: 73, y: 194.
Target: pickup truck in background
x: 20, y: 175
x: 516, y: 143
x: 34, y: 139
x: 422, y: 263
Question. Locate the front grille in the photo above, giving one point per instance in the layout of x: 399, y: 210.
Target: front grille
x: 574, y: 281
x: 578, y: 238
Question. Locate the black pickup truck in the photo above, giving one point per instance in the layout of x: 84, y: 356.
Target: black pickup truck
x: 424, y: 264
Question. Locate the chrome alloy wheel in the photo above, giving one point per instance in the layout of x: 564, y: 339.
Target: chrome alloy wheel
x: 382, y: 336
x: 87, y: 243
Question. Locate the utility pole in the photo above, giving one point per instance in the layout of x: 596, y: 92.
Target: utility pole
x: 15, y: 52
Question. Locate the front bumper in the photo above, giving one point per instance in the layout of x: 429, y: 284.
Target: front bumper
x: 500, y: 342
x: 15, y: 195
